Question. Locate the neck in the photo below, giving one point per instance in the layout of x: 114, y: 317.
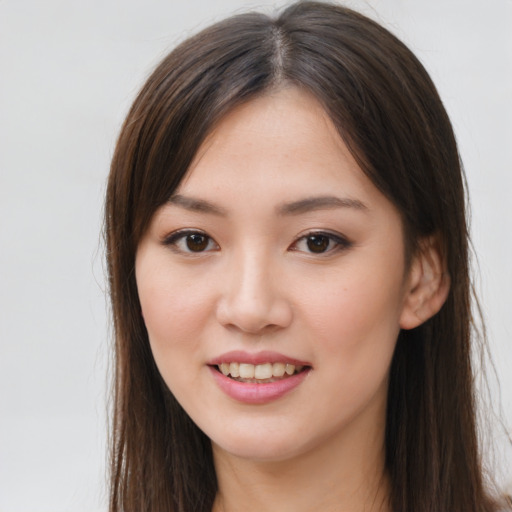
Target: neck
x: 346, y: 476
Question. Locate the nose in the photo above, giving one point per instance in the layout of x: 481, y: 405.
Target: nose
x: 253, y: 301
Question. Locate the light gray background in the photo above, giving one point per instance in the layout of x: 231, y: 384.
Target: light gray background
x: 68, y: 72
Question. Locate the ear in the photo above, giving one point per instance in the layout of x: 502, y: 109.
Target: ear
x: 427, y: 285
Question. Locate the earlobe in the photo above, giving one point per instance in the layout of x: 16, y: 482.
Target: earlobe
x: 427, y: 286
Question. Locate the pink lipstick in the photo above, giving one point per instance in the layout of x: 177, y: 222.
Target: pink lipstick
x: 257, y: 378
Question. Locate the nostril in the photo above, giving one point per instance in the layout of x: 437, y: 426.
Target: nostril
x: 254, y: 318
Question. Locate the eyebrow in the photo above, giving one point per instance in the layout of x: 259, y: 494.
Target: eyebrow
x: 196, y: 205
x: 305, y: 205
x: 309, y: 204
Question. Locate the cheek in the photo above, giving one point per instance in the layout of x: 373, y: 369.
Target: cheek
x: 174, y: 311
x: 174, y: 314
x: 353, y: 315
x: 352, y: 308
x: 354, y: 329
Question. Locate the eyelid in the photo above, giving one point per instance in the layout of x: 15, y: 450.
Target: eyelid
x: 341, y: 241
x: 171, y: 240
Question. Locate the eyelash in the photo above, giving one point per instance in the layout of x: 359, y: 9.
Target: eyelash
x: 181, y: 236
x: 335, y: 242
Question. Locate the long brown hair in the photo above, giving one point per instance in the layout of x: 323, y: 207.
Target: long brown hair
x: 389, y: 114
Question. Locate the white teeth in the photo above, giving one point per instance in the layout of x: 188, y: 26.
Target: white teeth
x: 234, y: 369
x: 278, y: 369
x: 246, y: 371
x: 259, y: 371
x: 263, y: 371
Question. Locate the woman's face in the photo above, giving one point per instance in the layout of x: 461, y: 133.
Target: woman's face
x: 275, y: 256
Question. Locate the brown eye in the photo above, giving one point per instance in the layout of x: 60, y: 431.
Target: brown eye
x: 188, y: 242
x: 197, y: 242
x: 318, y: 243
x: 321, y: 242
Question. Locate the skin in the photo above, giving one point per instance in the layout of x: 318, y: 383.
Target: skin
x: 257, y: 286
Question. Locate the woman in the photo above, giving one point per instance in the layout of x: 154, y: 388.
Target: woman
x: 287, y: 252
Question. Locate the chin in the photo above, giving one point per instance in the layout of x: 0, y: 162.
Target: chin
x: 258, y: 450
x: 271, y: 443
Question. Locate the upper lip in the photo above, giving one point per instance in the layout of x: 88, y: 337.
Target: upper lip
x: 239, y: 356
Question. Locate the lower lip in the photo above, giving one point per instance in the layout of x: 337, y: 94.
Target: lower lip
x: 251, y: 393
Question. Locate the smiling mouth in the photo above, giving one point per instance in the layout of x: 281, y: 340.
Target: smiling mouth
x: 259, y: 373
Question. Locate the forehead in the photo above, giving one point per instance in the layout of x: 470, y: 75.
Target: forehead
x: 282, y: 142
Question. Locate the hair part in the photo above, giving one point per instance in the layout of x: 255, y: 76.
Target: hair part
x: 390, y: 116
